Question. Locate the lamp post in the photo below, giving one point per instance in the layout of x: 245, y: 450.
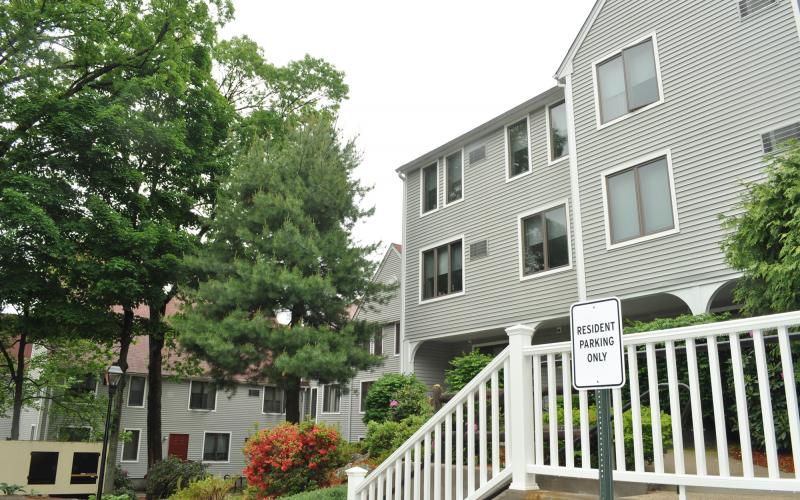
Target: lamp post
x: 113, y: 375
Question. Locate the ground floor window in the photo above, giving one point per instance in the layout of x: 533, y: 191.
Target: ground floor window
x: 216, y: 446
x: 130, y: 449
x: 331, y: 397
x: 365, y: 387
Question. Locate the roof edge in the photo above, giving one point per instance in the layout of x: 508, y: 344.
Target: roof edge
x: 566, y: 65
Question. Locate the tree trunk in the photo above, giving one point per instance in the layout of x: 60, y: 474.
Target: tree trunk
x: 156, y: 332
x: 292, y: 392
x: 19, y: 381
x: 125, y: 338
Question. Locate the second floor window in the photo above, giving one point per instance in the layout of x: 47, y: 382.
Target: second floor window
x: 559, y: 143
x: 203, y: 396
x: 442, y: 270
x: 377, y: 344
x: 545, y: 243
x: 640, y: 201
x: 331, y: 397
x: 274, y: 400
x: 430, y: 188
x: 627, y: 81
x: 517, y: 139
x: 454, y: 177
x: 136, y: 391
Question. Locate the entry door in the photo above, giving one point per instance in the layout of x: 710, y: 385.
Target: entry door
x: 314, y: 404
x: 178, y: 446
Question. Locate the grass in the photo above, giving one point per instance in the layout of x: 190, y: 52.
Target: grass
x: 334, y: 493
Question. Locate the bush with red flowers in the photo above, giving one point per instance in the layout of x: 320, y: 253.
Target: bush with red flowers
x: 290, y: 458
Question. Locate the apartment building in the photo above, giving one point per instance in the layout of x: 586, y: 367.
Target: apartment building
x: 611, y: 183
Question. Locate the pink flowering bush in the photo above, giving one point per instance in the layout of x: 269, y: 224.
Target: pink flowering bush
x: 395, y: 397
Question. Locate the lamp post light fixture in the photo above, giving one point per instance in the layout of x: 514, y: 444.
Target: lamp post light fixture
x: 113, y: 375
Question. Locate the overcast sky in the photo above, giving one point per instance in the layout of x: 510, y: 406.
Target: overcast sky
x: 420, y: 73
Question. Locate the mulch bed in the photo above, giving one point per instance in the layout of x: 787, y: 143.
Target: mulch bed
x: 785, y: 460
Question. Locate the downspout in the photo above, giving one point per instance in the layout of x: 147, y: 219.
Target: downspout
x: 403, y: 349
x: 577, y: 222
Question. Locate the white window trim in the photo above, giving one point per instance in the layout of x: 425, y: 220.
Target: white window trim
x: 608, y: 56
x: 144, y: 396
x: 138, y: 447
x: 189, y: 402
x: 550, y: 160
x: 606, y: 215
x: 422, y: 212
x: 321, y: 409
x: 264, y: 394
x: 463, y: 270
x: 203, y: 453
x: 444, y: 191
x: 507, y: 157
x: 538, y: 210
x: 360, y: 389
x: 399, y: 333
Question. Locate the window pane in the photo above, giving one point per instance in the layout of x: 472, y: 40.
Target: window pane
x: 557, y: 248
x: 365, y: 387
x: 656, y: 196
x: 427, y: 273
x: 442, y: 270
x: 378, y: 343
x: 130, y: 450
x: 397, y: 338
x: 518, y: 148
x: 215, y: 447
x: 454, y: 177
x: 429, y: 188
x: 533, y: 259
x: 457, y: 273
x: 640, y: 75
x: 611, y: 82
x: 273, y: 400
x: 624, y: 216
x: 136, y: 391
x: 203, y: 396
x: 559, y: 144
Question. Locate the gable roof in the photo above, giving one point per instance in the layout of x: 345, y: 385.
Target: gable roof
x: 393, y: 248
x: 566, y: 65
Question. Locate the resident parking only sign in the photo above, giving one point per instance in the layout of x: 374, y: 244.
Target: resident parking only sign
x: 596, y: 333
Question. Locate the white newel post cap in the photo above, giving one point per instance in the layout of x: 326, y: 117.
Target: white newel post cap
x: 355, y: 476
x: 520, y: 331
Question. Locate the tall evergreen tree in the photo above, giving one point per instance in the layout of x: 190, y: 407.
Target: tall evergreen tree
x: 282, y: 242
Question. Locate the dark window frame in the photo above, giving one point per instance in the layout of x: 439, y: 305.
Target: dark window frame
x: 552, y: 158
x: 397, y: 340
x: 205, y: 384
x: 435, y: 252
x: 620, y: 54
x: 215, y: 452
x: 545, y: 241
x: 424, y: 191
x: 144, y: 391
x: 282, y: 402
x: 377, y: 343
x: 326, y: 398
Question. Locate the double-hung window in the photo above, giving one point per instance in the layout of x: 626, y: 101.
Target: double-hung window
x: 203, y: 396
x: 442, y: 270
x: 454, y: 173
x: 130, y: 449
x: 274, y: 400
x: 216, y: 447
x: 365, y: 387
x: 628, y: 81
x: 545, y: 241
x: 640, y: 201
x: 517, y: 144
x: 377, y: 344
x: 430, y: 188
x: 558, y: 139
x: 136, y: 391
x: 331, y: 397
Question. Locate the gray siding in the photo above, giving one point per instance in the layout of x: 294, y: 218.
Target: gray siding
x: 725, y: 82
x: 494, y: 294
x: 387, y: 273
x: 236, y: 413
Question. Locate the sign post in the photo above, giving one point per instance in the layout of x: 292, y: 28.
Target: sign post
x: 598, y: 363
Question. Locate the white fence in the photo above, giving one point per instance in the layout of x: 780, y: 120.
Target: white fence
x: 514, y: 437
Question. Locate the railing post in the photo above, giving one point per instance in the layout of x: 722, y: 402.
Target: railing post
x: 520, y: 435
x: 355, y: 476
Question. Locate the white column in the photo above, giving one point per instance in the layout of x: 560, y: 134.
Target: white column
x: 520, y: 434
x: 355, y: 476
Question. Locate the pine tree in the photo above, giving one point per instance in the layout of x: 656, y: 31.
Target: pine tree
x: 282, y: 243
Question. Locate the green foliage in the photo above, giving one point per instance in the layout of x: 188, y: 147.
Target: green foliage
x: 123, y: 486
x: 209, y: 488
x: 11, y: 489
x: 464, y: 368
x: 385, y: 437
x: 165, y: 476
x: 112, y: 496
x: 396, y: 396
x: 676, y: 322
x: 334, y: 493
x: 764, y: 242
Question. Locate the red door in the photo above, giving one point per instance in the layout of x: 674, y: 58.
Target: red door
x: 178, y: 446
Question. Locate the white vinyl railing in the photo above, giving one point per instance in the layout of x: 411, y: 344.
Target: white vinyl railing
x: 451, y: 457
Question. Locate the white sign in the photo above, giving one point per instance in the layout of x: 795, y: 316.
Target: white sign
x: 596, y: 333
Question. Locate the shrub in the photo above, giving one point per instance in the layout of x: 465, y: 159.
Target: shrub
x: 395, y: 397
x: 464, y: 368
x: 383, y: 438
x: 124, y: 496
x: 165, y: 476
x: 210, y: 488
x: 288, y: 459
x: 123, y: 486
x: 335, y: 493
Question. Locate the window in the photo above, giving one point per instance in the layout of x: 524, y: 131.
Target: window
x: 517, y: 144
x: 454, y: 173
x: 203, y: 396
x: 397, y: 339
x: 84, y: 386
x: 84, y: 468
x: 640, y: 201
x: 558, y: 139
x: 136, y: 391
x: 430, y: 188
x: 545, y: 244
x: 748, y: 7
x: 43, y: 467
x: 253, y: 393
x: 331, y: 395
x: 130, y: 449
x: 628, y: 81
x: 776, y: 140
x: 365, y: 387
x: 377, y: 343
x: 215, y: 446
x: 442, y: 271
x: 274, y: 400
